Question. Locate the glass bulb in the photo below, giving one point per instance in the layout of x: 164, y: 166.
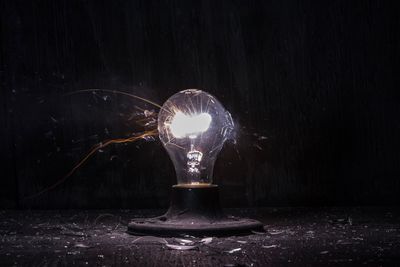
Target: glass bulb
x: 193, y: 126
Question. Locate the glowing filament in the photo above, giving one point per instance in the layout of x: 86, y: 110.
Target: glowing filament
x: 194, y: 159
x: 189, y: 126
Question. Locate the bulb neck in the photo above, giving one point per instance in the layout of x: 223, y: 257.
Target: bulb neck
x: 194, y: 185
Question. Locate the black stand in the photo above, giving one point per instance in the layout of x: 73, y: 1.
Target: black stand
x: 194, y: 211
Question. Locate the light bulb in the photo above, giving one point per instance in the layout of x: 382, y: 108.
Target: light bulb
x: 193, y: 126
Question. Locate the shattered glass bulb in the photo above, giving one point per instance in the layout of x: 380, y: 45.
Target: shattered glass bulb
x: 193, y: 126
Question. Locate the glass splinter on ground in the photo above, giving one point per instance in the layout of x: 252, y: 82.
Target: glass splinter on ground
x: 299, y: 236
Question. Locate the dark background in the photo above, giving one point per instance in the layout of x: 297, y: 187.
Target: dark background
x: 310, y: 84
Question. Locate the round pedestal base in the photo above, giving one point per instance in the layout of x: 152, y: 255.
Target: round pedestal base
x: 223, y: 227
x: 194, y: 211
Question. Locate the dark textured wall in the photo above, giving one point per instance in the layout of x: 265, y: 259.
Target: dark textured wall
x: 311, y: 85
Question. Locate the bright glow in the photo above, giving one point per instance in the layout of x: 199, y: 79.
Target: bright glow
x: 183, y: 125
x: 193, y: 126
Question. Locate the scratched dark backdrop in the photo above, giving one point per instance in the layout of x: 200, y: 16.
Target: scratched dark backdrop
x: 310, y: 84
